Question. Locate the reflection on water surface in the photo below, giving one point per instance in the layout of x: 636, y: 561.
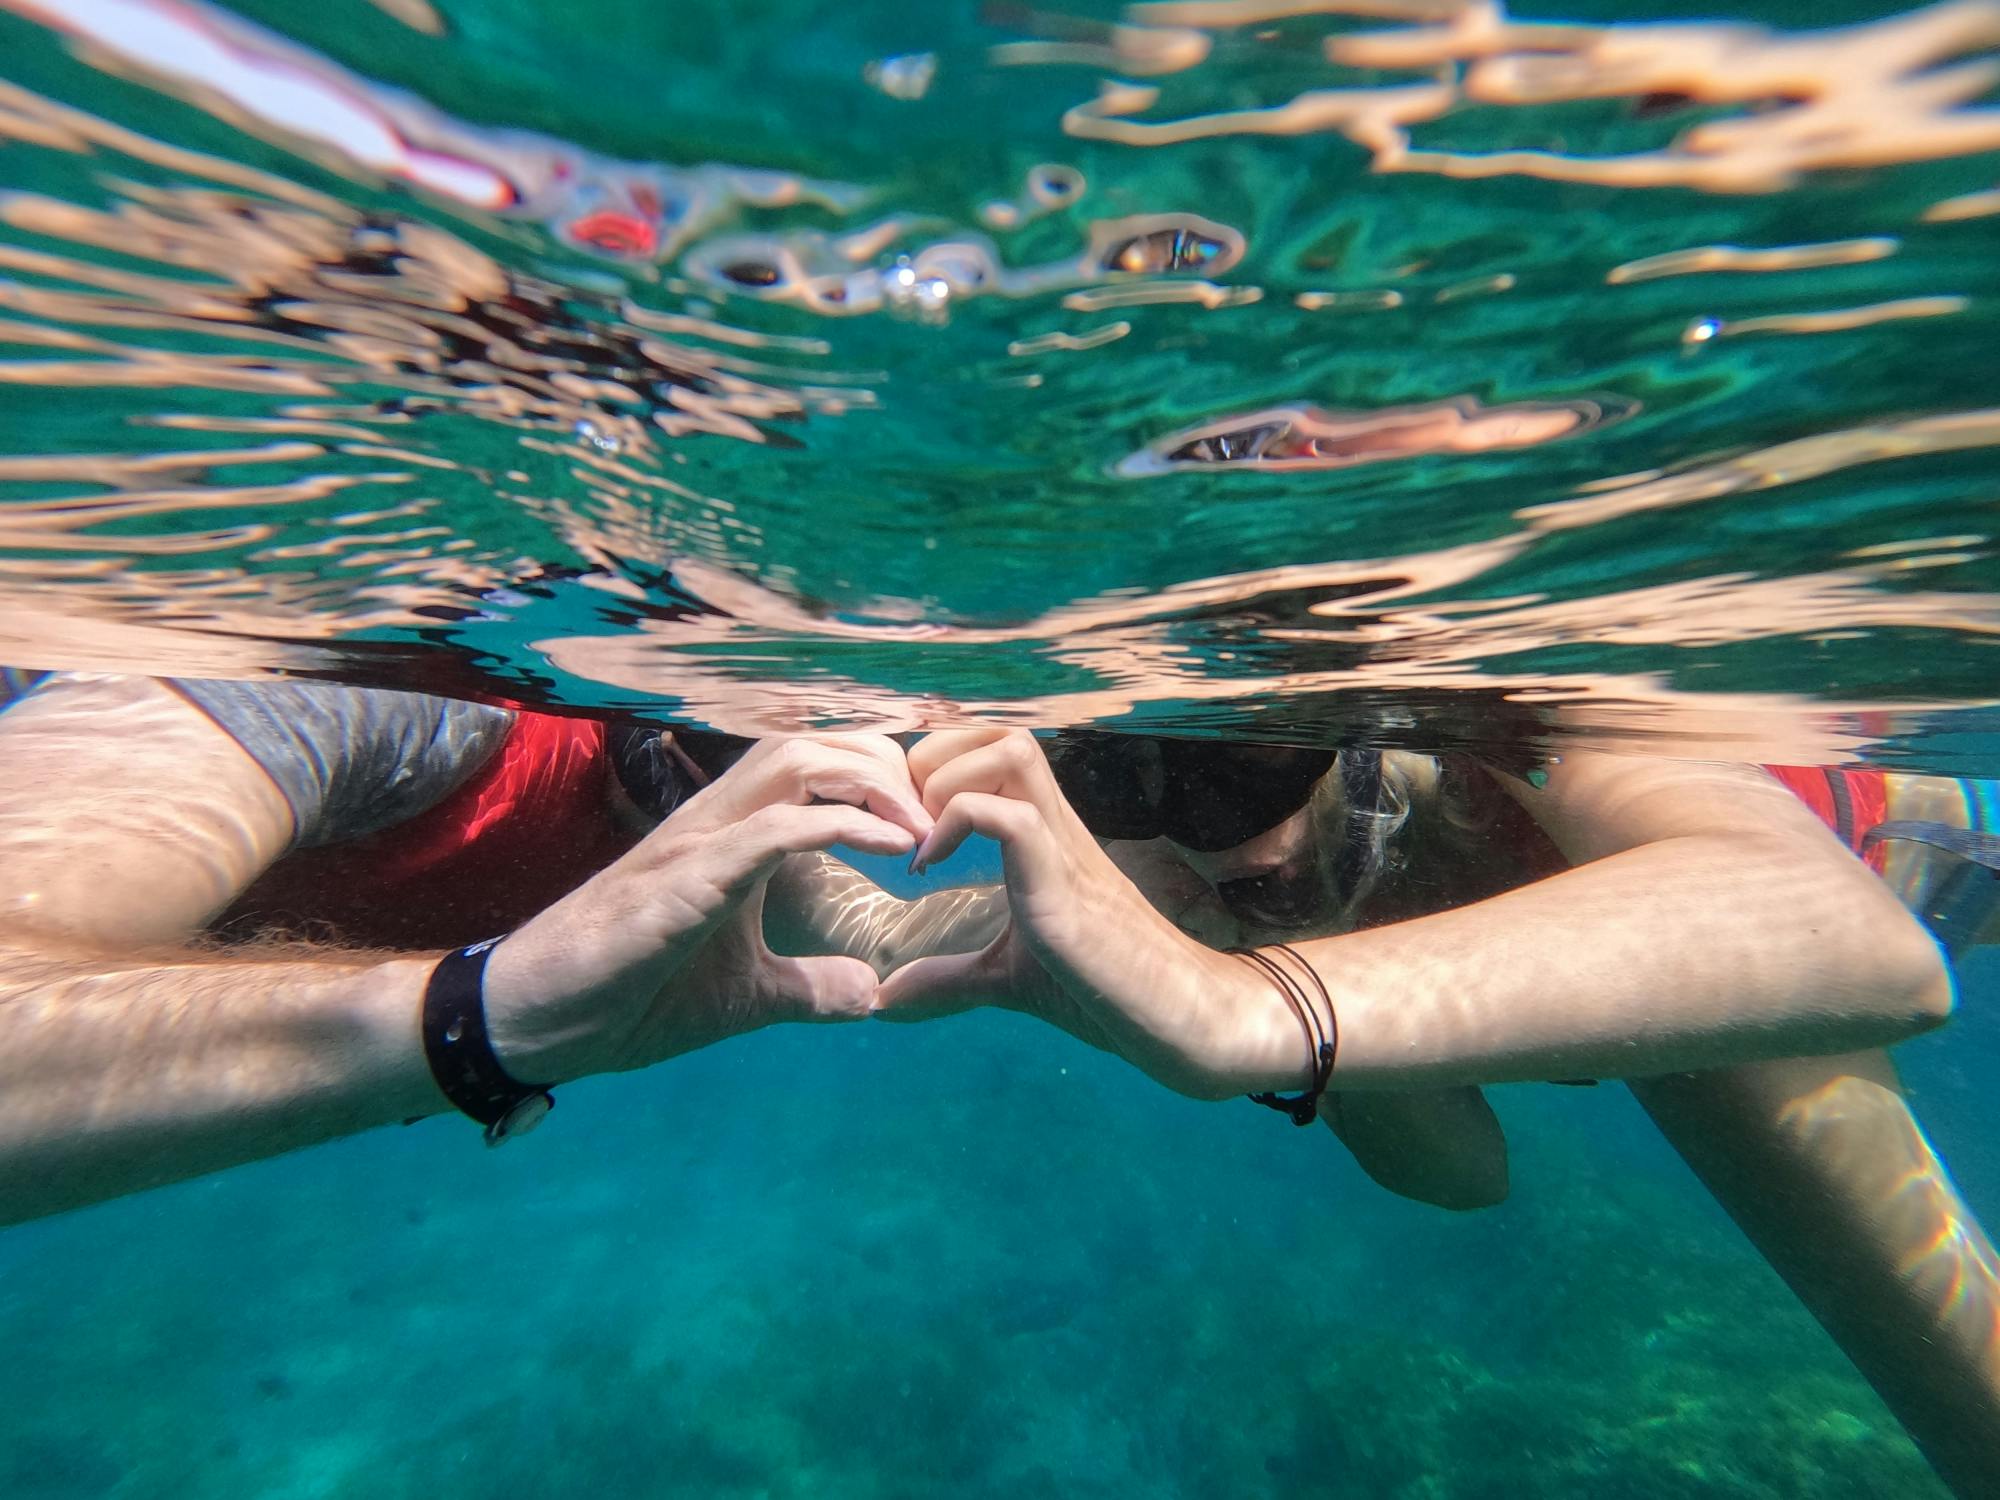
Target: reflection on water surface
x: 1631, y: 376
x: 1396, y: 370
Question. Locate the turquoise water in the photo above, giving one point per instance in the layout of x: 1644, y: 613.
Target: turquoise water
x: 1474, y: 466
x: 283, y: 367
x: 973, y: 1258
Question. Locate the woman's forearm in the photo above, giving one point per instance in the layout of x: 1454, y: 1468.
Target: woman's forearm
x: 122, y: 1074
x: 1686, y: 953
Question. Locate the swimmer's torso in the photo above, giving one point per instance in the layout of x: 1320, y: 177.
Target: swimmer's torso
x: 421, y: 822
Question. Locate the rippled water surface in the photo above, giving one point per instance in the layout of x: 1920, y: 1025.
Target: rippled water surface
x: 1401, y: 369
x: 1217, y: 364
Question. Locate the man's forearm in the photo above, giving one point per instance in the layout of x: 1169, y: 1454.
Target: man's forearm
x: 1687, y: 953
x: 122, y: 1074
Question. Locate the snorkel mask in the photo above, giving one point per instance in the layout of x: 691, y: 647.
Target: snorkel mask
x: 1208, y: 796
x: 659, y: 770
x: 1205, y: 795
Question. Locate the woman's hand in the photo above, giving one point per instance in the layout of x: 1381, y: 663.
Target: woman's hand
x: 663, y: 952
x: 1083, y: 949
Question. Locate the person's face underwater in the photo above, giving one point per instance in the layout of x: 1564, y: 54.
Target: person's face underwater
x: 1239, y: 815
x: 1271, y: 880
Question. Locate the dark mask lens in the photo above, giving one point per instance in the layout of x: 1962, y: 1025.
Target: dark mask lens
x: 1202, y: 794
x: 648, y: 774
x: 1221, y: 795
x: 659, y: 775
x: 1102, y: 776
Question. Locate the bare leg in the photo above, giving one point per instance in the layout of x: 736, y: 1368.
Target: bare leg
x: 1822, y: 1165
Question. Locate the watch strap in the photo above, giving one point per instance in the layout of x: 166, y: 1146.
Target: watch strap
x: 458, y: 1047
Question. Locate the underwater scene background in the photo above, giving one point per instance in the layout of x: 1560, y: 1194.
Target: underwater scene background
x: 973, y: 1258
x: 1400, y: 370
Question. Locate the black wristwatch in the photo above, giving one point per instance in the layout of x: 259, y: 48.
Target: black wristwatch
x: 461, y: 1055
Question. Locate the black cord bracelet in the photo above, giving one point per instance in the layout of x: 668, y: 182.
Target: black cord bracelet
x: 460, y: 1051
x: 1322, y: 1042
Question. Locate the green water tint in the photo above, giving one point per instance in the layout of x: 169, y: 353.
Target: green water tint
x: 1058, y: 1282
x: 1044, y: 1277
x: 1433, y: 459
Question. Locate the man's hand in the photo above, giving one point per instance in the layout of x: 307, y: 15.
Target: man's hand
x: 1084, y: 950
x: 664, y: 952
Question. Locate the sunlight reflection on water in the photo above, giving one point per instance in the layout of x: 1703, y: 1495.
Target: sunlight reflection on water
x: 1609, y: 380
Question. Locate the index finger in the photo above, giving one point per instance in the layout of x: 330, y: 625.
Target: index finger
x: 879, y: 746
x: 933, y: 750
x: 804, y: 769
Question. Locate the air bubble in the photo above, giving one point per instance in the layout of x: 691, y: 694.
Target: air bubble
x: 589, y: 432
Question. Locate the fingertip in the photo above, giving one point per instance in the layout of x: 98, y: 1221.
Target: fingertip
x: 941, y: 845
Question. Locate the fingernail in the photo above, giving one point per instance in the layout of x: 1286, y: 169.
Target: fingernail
x: 922, y: 855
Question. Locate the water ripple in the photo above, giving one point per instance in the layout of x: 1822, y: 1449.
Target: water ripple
x: 1466, y: 377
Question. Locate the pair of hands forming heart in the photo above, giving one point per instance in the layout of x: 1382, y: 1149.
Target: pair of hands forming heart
x: 663, y: 952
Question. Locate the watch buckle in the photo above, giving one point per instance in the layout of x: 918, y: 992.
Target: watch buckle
x: 527, y: 1113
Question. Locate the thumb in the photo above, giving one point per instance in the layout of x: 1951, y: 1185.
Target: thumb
x: 830, y: 988
x: 942, y: 985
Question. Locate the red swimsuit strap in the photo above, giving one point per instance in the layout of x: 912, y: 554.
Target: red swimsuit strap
x: 546, y: 780
x: 1848, y: 802
x: 528, y: 827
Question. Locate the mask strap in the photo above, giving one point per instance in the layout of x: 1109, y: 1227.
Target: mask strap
x: 1361, y: 788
